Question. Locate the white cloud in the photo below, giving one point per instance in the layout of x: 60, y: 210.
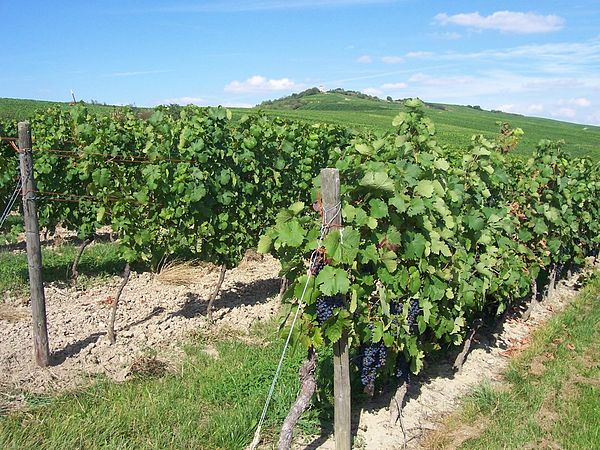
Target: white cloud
x: 566, y: 113
x: 449, y: 36
x: 429, y: 80
x: 418, y: 54
x: 506, y: 21
x: 509, y: 107
x: 532, y: 108
x: 364, y: 59
x: 582, y: 101
x: 392, y: 59
x: 393, y: 86
x: 535, y: 108
x: 372, y: 91
x: 258, y: 83
x: 594, y: 119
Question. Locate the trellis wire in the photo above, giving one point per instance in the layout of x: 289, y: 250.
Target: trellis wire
x: 11, y: 202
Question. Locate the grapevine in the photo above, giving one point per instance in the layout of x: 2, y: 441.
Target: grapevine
x: 435, y: 239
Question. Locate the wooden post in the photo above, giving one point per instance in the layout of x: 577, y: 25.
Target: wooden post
x: 332, y: 215
x: 34, y: 254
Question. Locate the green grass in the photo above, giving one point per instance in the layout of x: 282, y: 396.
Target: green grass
x: 552, y: 391
x: 210, y: 403
x: 455, y: 124
x: 22, y: 109
x: 99, y: 261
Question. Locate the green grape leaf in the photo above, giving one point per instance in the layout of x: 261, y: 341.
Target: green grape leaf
x: 377, y: 181
x: 425, y: 188
x: 416, y: 246
x: 291, y: 234
x: 265, y: 243
x: 379, y: 209
x: 342, y: 245
x: 332, y: 280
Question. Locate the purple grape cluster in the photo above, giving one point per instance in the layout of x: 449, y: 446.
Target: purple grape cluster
x: 326, y: 305
x: 317, y: 261
x: 413, y: 311
x: 396, y: 307
x: 402, y: 368
x: 559, y: 272
x: 371, y: 358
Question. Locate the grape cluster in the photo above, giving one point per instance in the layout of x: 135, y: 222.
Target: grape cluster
x: 402, y: 369
x: 396, y: 307
x: 372, y: 358
x: 317, y: 261
x: 326, y: 305
x: 559, y: 272
x: 413, y: 311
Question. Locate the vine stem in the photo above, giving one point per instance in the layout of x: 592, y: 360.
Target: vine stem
x: 396, y: 405
x: 214, y: 294
x: 533, y: 301
x: 308, y: 386
x: 460, y: 359
x: 84, y: 244
x: 115, y: 304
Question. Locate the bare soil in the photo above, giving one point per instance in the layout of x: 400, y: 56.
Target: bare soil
x: 154, y: 318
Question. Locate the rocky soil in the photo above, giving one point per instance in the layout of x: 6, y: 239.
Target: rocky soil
x: 154, y: 318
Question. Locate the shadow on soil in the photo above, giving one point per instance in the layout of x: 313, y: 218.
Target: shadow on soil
x: 240, y: 294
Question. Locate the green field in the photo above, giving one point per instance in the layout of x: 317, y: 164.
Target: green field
x: 455, y: 124
x: 22, y: 109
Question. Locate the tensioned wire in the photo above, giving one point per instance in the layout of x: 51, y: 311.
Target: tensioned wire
x: 11, y: 202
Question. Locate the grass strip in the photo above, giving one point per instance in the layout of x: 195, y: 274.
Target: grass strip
x: 551, y: 397
x: 213, y: 402
x: 99, y: 261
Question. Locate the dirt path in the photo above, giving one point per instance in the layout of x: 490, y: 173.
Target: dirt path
x: 153, y: 317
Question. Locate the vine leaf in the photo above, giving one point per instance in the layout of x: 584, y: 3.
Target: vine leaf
x: 291, y: 234
x: 416, y: 246
x: 379, y: 209
x: 377, y: 332
x: 390, y: 260
x: 378, y: 181
x: 265, y: 243
x: 332, y: 280
x: 334, y: 331
x: 342, y: 246
x: 424, y: 188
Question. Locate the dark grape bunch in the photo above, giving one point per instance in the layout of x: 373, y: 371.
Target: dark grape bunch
x: 402, y: 371
x: 326, y: 305
x: 559, y: 272
x: 396, y: 307
x: 317, y: 261
x: 413, y: 311
x: 371, y: 358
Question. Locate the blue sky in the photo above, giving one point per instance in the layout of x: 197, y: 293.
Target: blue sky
x: 538, y: 58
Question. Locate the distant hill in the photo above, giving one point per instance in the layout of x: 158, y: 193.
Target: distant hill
x: 455, y: 124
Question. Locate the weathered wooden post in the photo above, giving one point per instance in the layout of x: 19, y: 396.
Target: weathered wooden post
x: 332, y: 215
x: 34, y: 254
